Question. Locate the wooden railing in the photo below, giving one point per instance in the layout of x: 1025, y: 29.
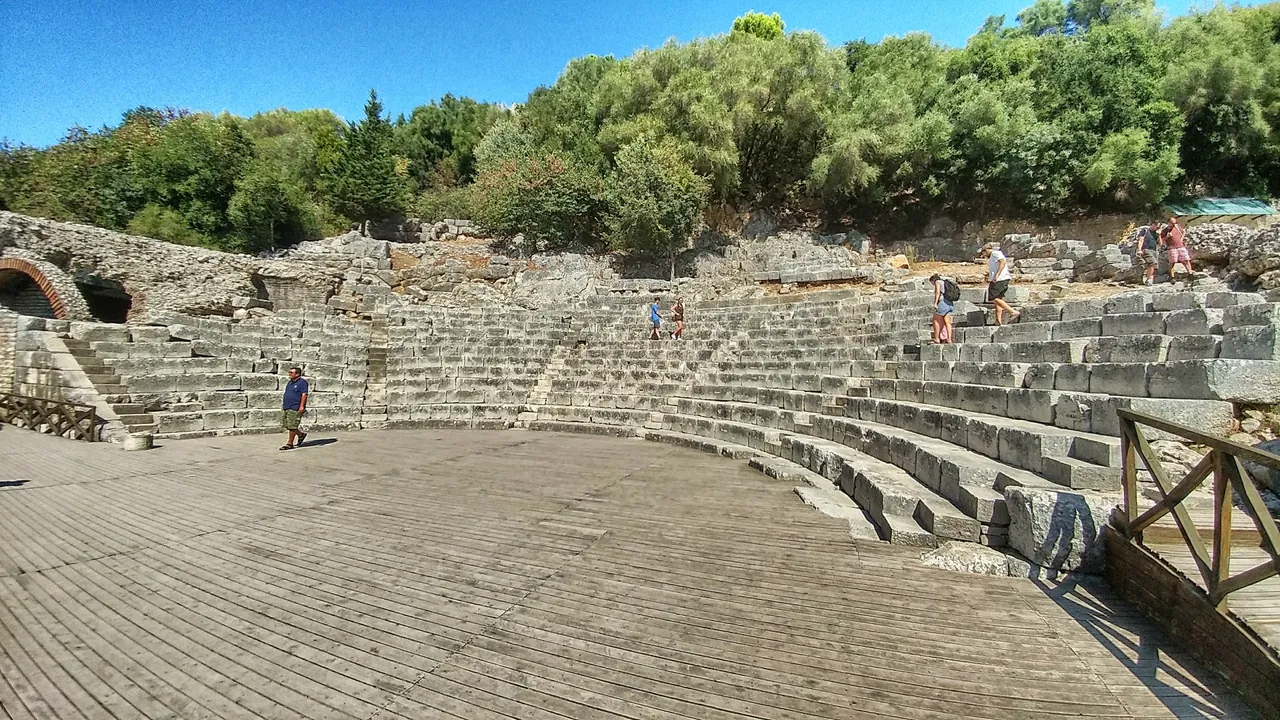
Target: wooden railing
x: 54, y: 417
x: 1224, y: 463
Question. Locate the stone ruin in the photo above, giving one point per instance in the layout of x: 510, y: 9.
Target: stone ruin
x: 923, y: 445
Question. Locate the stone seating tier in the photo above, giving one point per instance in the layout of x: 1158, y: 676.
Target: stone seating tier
x: 921, y: 439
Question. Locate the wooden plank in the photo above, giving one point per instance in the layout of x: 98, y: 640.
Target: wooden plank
x: 376, y: 576
x: 1221, y: 532
x: 1257, y: 509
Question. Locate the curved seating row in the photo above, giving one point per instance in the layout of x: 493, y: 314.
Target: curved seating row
x: 917, y: 441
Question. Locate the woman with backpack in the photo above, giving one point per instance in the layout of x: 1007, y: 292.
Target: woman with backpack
x: 945, y: 296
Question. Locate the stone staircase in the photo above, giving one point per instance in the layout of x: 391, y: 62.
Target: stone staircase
x: 133, y: 416
x: 374, y: 411
x: 554, y: 369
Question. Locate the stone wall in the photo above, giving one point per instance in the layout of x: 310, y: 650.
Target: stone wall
x: 204, y: 376
x: 8, y: 334
x: 159, y: 276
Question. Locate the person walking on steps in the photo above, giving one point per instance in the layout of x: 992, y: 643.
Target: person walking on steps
x: 1149, y: 251
x: 655, y: 318
x: 295, y: 406
x: 1177, y: 246
x: 945, y: 296
x: 998, y: 277
x: 677, y: 317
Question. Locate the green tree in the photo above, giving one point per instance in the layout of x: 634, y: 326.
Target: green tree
x: 654, y: 200
x: 505, y: 142
x: 15, y: 167
x: 565, y: 118
x: 269, y: 211
x: 162, y: 223
x: 1225, y: 86
x: 1086, y: 13
x: 439, y: 139
x: 1046, y: 16
x: 192, y: 168
x: 364, y: 178
x: 553, y: 202
x: 765, y: 27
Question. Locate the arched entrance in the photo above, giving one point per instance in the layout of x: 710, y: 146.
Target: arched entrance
x: 26, y: 290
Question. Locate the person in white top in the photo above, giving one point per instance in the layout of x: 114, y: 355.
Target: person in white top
x: 998, y: 277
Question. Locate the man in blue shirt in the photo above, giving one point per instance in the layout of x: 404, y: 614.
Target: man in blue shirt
x: 655, y: 318
x: 295, y: 406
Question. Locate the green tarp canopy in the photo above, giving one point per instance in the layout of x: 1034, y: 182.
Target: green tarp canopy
x: 1207, y: 210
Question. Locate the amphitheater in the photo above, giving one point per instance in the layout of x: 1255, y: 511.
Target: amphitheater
x: 762, y: 520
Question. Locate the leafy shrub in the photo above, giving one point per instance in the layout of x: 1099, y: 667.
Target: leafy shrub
x: 554, y: 203
x: 162, y: 223
x: 436, y: 204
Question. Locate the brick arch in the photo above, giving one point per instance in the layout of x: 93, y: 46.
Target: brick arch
x: 65, y: 305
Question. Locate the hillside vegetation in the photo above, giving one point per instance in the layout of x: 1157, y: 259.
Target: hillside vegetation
x: 1087, y: 106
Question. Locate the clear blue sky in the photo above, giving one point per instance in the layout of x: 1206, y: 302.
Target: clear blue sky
x: 65, y: 62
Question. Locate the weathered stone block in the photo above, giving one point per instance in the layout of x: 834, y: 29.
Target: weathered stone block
x: 1252, y: 314
x: 1171, y: 301
x: 1252, y: 342
x: 1059, y: 530
x: 1251, y: 381
x: 1118, y: 379
x: 1080, y: 328
x: 179, y: 422
x: 1133, y: 324
x: 1231, y: 299
x: 26, y: 322
x: 223, y: 400
x: 968, y: 557
x: 1072, y: 378
x: 1127, y: 349
x: 219, y: 420
x: 90, y: 332
x: 1197, y: 321
x: 259, y: 382
x: 148, y: 334
x: 1083, y: 309
x: 1121, y: 304
x: 1194, y: 347
x: 1034, y: 405
x: 1040, y: 376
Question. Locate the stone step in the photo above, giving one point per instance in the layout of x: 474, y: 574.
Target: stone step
x: 104, y: 380
x: 136, y: 419
x: 819, y: 493
x: 1080, y: 475
x: 695, y: 442
x: 128, y: 408
x: 587, y: 428
x: 108, y: 389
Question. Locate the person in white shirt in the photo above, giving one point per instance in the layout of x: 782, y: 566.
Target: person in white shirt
x: 998, y: 277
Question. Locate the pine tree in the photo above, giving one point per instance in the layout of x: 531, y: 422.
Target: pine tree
x: 364, y: 179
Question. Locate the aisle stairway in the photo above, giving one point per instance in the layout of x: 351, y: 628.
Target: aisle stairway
x: 373, y: 412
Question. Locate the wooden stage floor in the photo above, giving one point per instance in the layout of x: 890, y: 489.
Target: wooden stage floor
x: 484, y: 575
